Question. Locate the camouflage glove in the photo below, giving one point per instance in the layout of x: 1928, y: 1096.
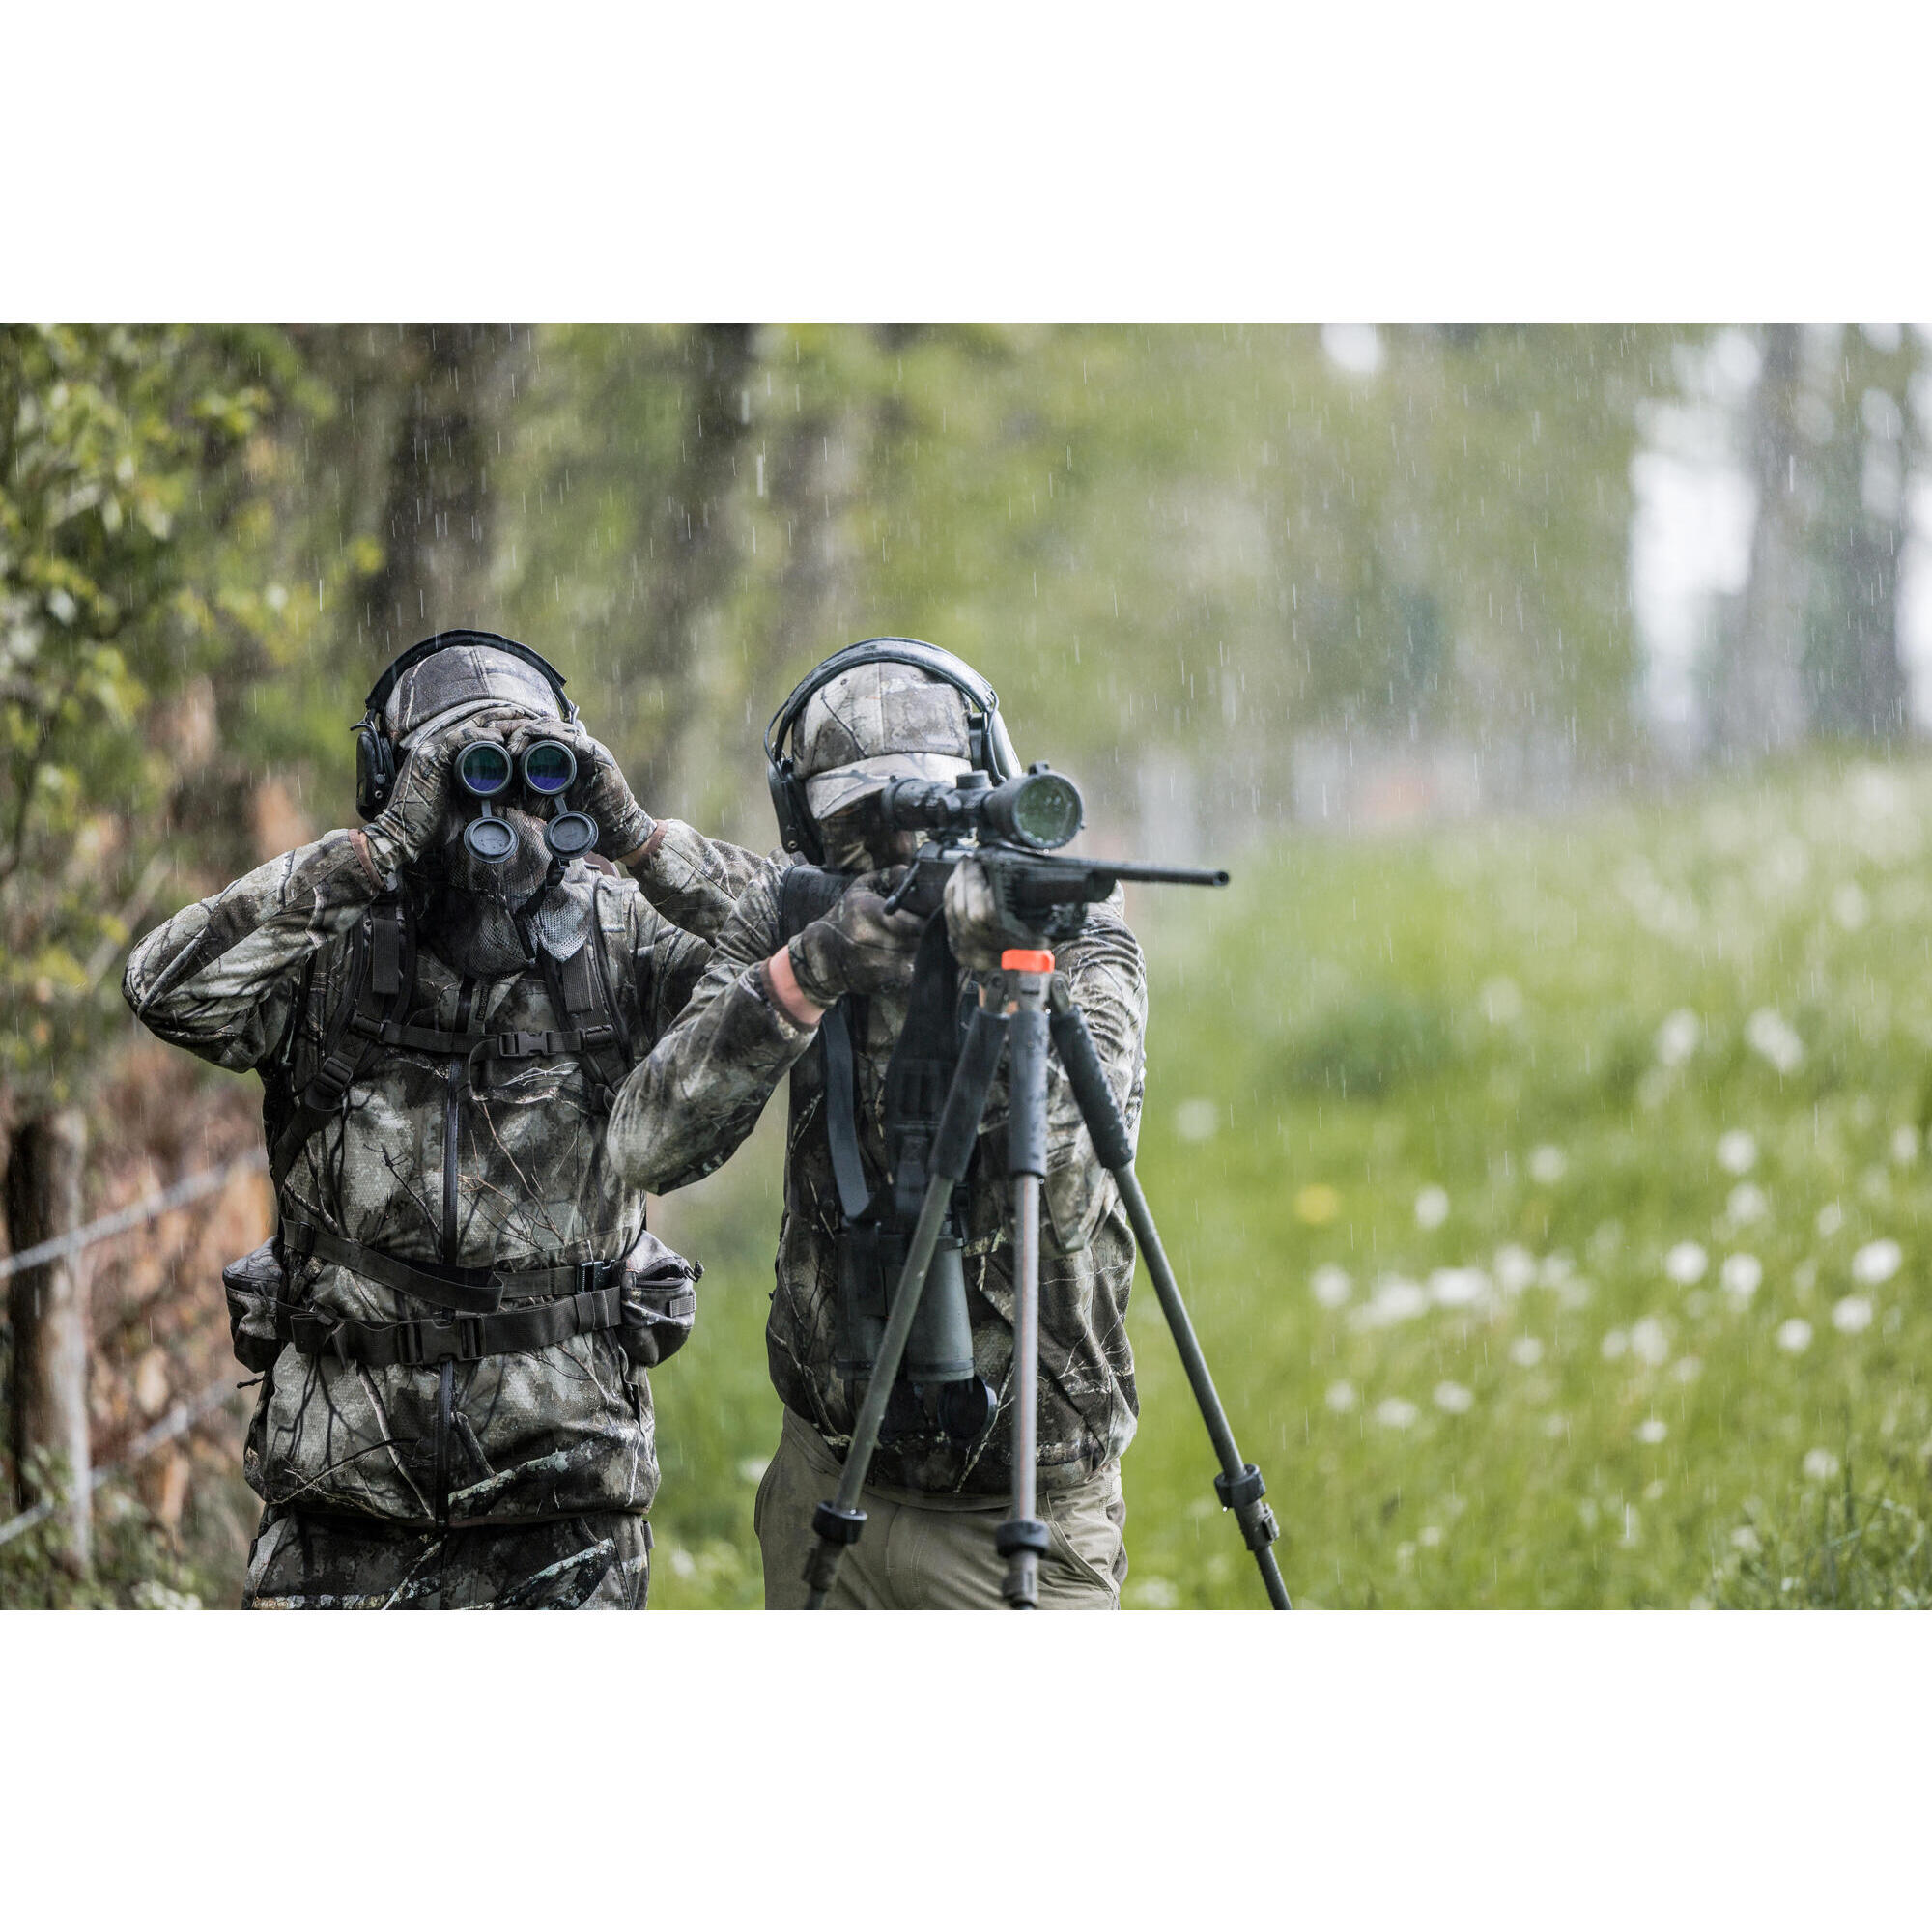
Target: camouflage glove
x: 412, y: 819
x: 977, y: 927
x: 858, y: 947
x: 623, y: 825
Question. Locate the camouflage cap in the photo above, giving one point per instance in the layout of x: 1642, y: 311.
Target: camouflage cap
x: 454, y: 682
x: 875, y: 722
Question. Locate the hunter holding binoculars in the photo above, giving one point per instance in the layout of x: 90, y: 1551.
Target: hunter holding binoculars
x: 452, y: 1323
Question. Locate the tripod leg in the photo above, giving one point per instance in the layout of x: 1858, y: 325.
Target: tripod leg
x: 1023, y: 1538
x: 1240, y: 1483
x: 839, y: 1521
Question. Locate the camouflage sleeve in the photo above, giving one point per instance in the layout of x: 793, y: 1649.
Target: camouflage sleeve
x: 689, y: 1106
x: 219, y: 977
x: 693, y: 880
x: 1108, y: 976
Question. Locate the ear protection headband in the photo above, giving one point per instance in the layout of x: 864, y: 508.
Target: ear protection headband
x: 992, y: 749
x: 376, y: 755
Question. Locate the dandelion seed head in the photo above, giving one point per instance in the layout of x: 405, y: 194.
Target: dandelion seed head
x: 1852, y: 1316
x: 1737, y: 1150
x: 1686, y: 1263
x: 1794, y: 1336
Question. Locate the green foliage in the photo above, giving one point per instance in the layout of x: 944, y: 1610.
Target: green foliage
x: 128, y: 520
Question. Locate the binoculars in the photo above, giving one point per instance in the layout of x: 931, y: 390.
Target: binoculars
x: 547, y: 769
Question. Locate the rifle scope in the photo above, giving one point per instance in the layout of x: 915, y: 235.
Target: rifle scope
x: 1040, y: 810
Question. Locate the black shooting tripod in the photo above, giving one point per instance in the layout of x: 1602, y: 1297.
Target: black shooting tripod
x: 1021, y: 1006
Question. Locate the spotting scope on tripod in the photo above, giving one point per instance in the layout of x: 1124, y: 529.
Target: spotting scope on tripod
x: 1026, y: 1012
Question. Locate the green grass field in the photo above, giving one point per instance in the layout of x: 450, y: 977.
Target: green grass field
x: 1551, y: 1201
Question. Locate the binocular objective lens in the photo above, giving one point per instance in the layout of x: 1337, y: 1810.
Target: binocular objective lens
x: 492, y: 839
x: 548, y: 767
x: 571, y: 832
x: 484, y: 770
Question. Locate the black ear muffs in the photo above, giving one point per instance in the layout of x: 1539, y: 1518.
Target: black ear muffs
x: 375, y: 767
x: 992, y: 748
x: 376, y: 755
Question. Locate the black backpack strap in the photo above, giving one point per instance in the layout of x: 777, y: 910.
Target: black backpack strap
x: 841, y: 1108
x: 381, y: 977
x: 580, y: 989
x: 919, y: 1071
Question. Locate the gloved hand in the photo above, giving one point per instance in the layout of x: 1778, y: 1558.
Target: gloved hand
x: 977, y: 925
x: 411, y: 821
x: 623, y: 825
x: 858, y: 947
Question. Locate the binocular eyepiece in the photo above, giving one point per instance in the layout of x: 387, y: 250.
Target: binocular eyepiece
x: 547, y: 769
x: 1040, y: 810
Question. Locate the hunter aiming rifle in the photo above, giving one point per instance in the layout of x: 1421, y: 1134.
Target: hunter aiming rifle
x: 1024, y: 1010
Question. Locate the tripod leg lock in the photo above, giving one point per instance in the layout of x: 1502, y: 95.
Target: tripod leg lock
x: 837, y: 1525
x: 1022, y: 1533
x: 1246, y: 1488
x: 1243, y: 1495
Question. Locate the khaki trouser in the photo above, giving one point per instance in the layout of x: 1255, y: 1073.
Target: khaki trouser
x: 923, y: 1552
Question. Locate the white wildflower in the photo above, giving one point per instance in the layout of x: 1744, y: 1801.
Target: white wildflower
x: 1742, y: 1275
x: 1653, y: 1430
x: 1331, y: 1285
x: 1852, y: 1316
x: 1678, y: 1037
x: 1875, y: 1261
x: 1686, y: 1263
x: 1747, y: 1204
x: 1820, y: 1465
x: 1395, y: 1299
x: 1515, y: 1269
x: 1795, y: 1336
x: 1615, y: 1343
x: 1771, y: 1035
x: 1746, y: 1538
x: 1649, y: 1344
x: 1737, y: 1151
x: 1831, y: 1218
x: 1459, y: 1288
x: 1687, y: 1368
x: 1547, y: 1165
x: 1526, y: 1352
x: 1154, y: 1593
x: 1197, y: 1119
x: 1905, y: 1145
x: 1453, y: 1399
x: 1341, y: 1397
x: 1430, y: 1536
x: 1392, y: 1412
x: 1432, y: 1207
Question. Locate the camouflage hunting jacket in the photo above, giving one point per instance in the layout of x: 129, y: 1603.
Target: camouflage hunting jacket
x: 700, y: 1090
x: 423, y: 1165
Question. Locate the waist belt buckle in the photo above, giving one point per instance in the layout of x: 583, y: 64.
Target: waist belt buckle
x: 427, y: 1342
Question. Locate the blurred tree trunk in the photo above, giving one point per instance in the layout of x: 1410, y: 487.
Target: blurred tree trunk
x: 695, y: 536
x: 48, y: 1312
x: 438, y: 521
x: 1853, y: 672
x: 1760, y: 706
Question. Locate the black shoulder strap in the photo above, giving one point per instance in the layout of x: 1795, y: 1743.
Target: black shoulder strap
x: 841, y: 1110
x: 920, y: 1069
x: 376, y: 987
x: 580, y: 989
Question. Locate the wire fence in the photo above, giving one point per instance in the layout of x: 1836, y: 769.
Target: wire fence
x: 178, y: 1421
x: 184, y: 1415
x: 123, y: 1218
